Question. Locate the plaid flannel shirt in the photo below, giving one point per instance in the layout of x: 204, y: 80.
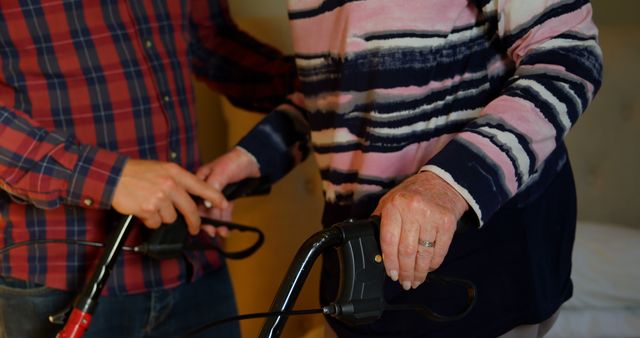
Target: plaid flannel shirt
x: 84, y: 85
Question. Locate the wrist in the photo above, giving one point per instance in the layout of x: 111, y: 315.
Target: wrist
x: 248, y: 161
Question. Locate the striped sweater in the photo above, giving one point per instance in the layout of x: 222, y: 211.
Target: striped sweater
x: 479, y: 92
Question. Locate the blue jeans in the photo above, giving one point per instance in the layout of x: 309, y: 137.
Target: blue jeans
x: 25, y: 307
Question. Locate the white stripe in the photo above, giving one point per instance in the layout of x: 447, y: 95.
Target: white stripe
x: 508, y: 139
x: 559, y: 107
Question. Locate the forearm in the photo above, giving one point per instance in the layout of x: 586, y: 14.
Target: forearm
x: 48, y: 169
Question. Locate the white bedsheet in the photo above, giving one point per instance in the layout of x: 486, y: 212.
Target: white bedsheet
x: 606, y: 277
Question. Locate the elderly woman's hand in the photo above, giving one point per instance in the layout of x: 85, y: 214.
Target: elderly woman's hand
x: 418, y: 220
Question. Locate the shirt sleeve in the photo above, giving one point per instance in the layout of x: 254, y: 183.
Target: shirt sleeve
x: 47, y: 168
x: 252, y: 75
x: 558, y: 66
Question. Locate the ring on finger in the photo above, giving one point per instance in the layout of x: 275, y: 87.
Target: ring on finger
x: 426, y: 244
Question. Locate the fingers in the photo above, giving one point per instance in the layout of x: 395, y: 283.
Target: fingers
x: 187, y: 207
x: 442, y: 243
x: 407, y: 249
x: 197, y: 187
x: 424, y: 255
x: 389, y: 241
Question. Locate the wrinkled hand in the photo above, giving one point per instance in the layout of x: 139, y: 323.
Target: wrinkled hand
x: 423, y: 207
x: 155, y: 191
x: 231, y: 167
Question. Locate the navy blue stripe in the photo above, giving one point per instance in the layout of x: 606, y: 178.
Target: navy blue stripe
x: 10, y: 59
x: 506, y: 149
x: 563, y: 95
x: 140, y: 97
x: 551, y: 13
x: 167, y: 36
x: 580, y: 61
x: 36, y: 226
x: 580, y: 90
x: 523, y: 141
x: 397, y: 67
x: 326, y: 6
x: 428, y: 34
x: 157, y: 65
x: 340, y: 177
x: 75, y: 229
x: 480, y: 3
x: 393, y: 143
x: 7, y: 238
x: 94, y: 76
x: 48, y: 62
x: 447, y: 97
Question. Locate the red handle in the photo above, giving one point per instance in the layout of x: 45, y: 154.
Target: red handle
x: 76, y: 325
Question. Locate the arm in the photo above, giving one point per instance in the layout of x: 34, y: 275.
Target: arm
x: 271, y: 149
x: 250, y: 74
x: 558, y: 70
x: 48, y: 169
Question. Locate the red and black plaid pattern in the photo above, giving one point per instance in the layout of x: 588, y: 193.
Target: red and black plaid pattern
x: 85, y: 85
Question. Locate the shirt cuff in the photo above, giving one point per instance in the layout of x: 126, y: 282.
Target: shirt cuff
x: 94, y: 178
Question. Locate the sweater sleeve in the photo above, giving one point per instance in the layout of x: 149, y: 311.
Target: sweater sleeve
x: 553, y: 45
x: 47, y: 168
x: 281, y: 140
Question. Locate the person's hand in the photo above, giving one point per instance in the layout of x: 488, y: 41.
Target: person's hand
x: 418, y: 218
x: 155, y: 191
x: 231, y: 167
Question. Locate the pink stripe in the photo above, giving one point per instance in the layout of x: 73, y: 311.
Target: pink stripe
x: 350, y: 187
x: 329, y: 31
x: 398, y: 164
x: 579, y: 21
x: 525, y: 117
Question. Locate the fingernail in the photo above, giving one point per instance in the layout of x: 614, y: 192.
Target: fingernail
x: 406, y: 286
x: 393, y: 274
x: 415, y: 285
x: 208, y: 204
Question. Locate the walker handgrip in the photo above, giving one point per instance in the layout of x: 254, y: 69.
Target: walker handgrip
x: 360, y: 296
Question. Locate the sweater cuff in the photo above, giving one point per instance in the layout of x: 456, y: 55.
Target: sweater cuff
x: 270, y: 143
x: 473, y: 175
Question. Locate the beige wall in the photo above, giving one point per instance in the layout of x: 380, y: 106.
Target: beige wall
x: 605, y: 143
x: 289, y: 215
x: 603, y: 146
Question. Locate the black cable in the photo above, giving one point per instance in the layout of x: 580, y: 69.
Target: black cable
x: 139, y: 249
x: 16, y: 245
x: 253, y: 316
x: 172, y: 245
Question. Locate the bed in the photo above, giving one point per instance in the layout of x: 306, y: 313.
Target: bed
x: 606, y: 277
